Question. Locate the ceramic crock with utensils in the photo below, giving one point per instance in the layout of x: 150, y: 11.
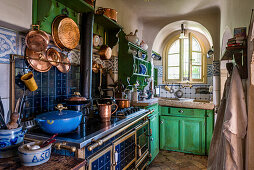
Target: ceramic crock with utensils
x: 105, y: 111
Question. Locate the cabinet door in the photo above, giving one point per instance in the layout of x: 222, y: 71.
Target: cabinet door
x: 170, y: 133
x: 192, y: 135
x: 101, y: 160
x: 154, y: 138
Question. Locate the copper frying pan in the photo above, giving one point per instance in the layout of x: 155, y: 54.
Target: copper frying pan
x: 53, y: 56
x: 64, y: 65
x: 37, y: 40
x: 38, y: 60
x: 65, y: 33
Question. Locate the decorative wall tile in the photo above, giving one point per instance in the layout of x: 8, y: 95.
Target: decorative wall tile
x: 209, y: 70
x: 21, y: 44
x: 216, y: 68
x: 7, y: 44
x: 160, y: 70
x: 74, y: 56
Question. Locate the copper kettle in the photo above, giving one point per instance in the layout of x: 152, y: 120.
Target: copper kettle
x: 105, y: 111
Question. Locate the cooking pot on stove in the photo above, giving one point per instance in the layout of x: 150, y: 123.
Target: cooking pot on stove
x: 123, y: 103
x: 61, y: 121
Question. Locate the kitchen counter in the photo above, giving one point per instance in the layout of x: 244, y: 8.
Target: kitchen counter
x: 145, y: 103
x: 55, y: 162
x: 186, y: 104
x: 92, y: 129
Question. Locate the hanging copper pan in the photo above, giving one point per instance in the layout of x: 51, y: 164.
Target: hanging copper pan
x: 38, y: 60
x: 105, y: 52
x: 64, y: 65
x: 65, y: 33
x: 53, y: 56
x: 37, y: 40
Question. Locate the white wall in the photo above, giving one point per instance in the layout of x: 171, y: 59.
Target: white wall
x: 16, y: 14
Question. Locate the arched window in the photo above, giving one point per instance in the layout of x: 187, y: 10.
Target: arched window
x: 184, y: 60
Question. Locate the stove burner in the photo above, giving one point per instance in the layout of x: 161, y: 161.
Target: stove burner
x: 122, y: 113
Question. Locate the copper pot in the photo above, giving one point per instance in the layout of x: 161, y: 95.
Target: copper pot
x: 37, y: 40
x: 123, y: 103
x: 65, y: 33
x: 105, y: 111
x: 105, y: 52
x: 108, y: 12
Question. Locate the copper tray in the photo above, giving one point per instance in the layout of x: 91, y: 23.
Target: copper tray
x: 64, y: 65
x: 65, y: 33
x: 53, y: 56
x: 38, y: 60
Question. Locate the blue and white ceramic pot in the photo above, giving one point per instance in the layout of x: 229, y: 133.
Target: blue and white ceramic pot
x: 10, y: 140
x: 34, y: 157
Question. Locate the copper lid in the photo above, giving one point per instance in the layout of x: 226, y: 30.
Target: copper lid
x: 38, y: 60
x: 77, y: 97
x: 64, y: 65
x: 53, y: 56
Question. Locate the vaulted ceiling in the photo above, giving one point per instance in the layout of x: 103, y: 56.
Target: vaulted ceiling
x: 152, y: 9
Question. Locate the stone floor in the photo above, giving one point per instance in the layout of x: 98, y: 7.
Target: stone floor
x: 167, y: 160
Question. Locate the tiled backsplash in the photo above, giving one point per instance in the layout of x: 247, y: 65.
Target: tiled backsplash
x: 188, y: 92
x: 53, y: 87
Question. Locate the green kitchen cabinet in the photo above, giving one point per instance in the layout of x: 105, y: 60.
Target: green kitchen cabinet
x: 154, y: 131
x: 186, y: 130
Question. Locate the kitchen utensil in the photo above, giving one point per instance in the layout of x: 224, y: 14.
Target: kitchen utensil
x: 64, y: 66
x: 96, y: 40
x: 17, y: 105
x: 96, y: 67
x: 10, y: 140
x: 28, y: 124
x: 171, y: 90
x: 2, y: 107
x: 53, y: 56
x: 34, y: 157
x: 105, y: 111
x: 132, y: 37
x: 101, y: 41
x: 14, y: 119
x: 36, y: 39
x: 29, y: 81
x: 65, y: 33
x: 179, y: 93
x: 143, y: 45
x: 3, y: 124
x: 90, y: 2
x: 108, y: 12
x: 46, y: 142
x: 105, y: 52
x: 77, y: 102
x: 38, y: 60
x: 61, y: 121
x: 122, y: 103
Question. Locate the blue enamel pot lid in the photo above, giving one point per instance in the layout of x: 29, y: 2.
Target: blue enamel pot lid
x: 57, y: 115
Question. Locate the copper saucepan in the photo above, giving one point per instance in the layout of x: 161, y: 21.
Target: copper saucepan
x: 65, y: 33
x: 123, y: 103
x: 105, y: 52
x: 110, y: 13
x: 37, y: 40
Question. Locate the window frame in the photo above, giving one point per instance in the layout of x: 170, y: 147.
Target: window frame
x: 203, y: 60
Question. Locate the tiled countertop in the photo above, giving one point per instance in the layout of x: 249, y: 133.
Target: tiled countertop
x: 145, y: 103
x: 186, y: 104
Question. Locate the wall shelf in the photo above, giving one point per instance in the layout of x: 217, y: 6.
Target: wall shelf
x: 107, y: 23
x: 140, y: 59
x: 137, y: 47
x: 230, y: 51
x: 77, y: 5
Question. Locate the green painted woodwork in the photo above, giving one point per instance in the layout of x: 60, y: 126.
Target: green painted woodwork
x: 44, y: 12
x: 77, y: 5
x: 192, y: 135
x: 128, y: 65
x: 107, y: 29
x: 155, y: 76
x: 209, y: 129
x: 170, y: 133
x: 154, y: 138
x: 186, y: 130
x: 182, y: 111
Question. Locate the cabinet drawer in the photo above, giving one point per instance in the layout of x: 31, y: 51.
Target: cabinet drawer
x: 183, y: 112
x: 153, y: 107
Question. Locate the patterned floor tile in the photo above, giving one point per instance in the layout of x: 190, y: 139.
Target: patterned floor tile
x: 178, y: 161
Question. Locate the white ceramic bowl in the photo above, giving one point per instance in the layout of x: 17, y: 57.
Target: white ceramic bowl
x: 34, y: 157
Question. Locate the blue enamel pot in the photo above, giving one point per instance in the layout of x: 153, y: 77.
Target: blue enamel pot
x: 64, y: 121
